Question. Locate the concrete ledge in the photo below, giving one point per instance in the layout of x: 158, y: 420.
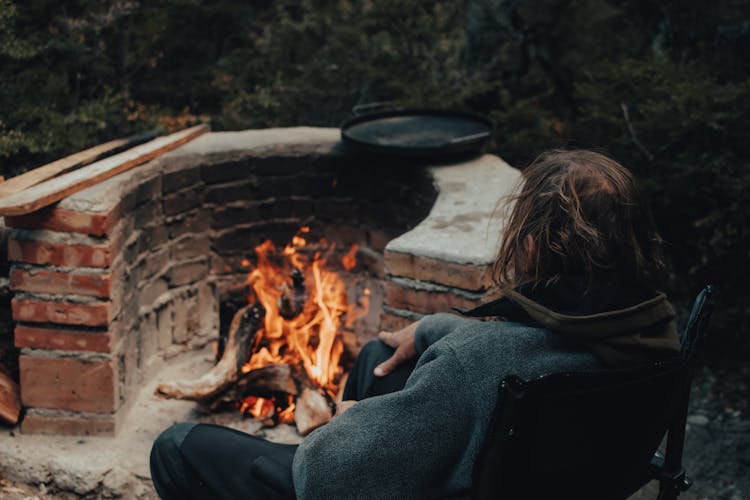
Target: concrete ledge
x: 457, y: 242
x: 210, y: 148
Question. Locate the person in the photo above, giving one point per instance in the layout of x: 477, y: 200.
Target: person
x: 578, y: 265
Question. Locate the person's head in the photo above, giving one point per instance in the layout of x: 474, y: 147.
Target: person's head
x: 578, y: 213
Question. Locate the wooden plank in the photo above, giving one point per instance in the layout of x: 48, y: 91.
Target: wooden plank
x: 10, y: 399
x: 58, y: 188
x: 64, y: 165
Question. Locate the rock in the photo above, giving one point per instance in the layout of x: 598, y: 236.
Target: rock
x: 698, y: 420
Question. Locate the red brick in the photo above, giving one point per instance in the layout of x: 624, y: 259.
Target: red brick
x: 67, y: 384
x: 472, y: 277
x: 55, y: 254
x: 68, y: 425
x: 185, y: 273
x: 65, y: 313
x: 425, y: 301
x: 44, y: 281
x: 69, y: 221
x: 63, y: 340
x: 190, y: 246
x: 181, y: 179
x: 182, y: 201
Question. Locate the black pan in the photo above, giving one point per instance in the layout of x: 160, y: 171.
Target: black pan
x: 428, y: 133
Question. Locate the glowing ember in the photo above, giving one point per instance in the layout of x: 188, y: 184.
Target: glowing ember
x: 309, y: 336
x: 262, y: 408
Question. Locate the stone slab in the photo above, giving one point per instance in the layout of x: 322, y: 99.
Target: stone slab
x: 269, y: 141
x: 463, y: 226
x: 105, y: 195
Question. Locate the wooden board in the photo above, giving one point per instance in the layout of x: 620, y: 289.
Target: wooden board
x: 64, y: 165
x: 10, y: 399
x: 56, y: 189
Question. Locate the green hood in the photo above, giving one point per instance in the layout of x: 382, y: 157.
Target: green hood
x: 618, y: 336
x: 621, y: 337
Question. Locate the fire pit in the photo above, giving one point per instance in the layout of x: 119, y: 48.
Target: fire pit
x: 283, y: 356
x: 116, y: 286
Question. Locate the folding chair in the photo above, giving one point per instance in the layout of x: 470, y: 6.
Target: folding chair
x: 593, y: 435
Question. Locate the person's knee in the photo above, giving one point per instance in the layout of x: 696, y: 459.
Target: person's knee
x: 166, y: 462
x: 168, y: 443
x: 375, y: 351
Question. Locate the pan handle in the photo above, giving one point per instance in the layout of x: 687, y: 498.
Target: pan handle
x: 373, y: 107
x: 469, y: 138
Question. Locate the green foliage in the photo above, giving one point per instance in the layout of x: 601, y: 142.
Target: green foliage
x: 662, y: 85
x: 692, y: 155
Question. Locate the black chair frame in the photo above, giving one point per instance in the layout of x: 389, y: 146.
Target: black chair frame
x: 593, y: 435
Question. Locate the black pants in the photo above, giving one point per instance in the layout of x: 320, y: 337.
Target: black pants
x: 202, y: 461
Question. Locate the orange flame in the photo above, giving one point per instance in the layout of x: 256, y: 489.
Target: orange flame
x: 349, y: 261
x: 263, y: 408
x: 312, y: 338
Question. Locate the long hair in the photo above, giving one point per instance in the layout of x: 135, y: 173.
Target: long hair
x: 578, y: 213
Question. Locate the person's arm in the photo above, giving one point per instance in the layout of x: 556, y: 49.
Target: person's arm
x: 413, y: 340
x: 401, y: 445
x: 434, y: 327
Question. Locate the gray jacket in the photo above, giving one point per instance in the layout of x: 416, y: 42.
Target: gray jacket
x: 423, y: 441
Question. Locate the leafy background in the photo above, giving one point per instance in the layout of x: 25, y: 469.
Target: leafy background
x: 662, y: 85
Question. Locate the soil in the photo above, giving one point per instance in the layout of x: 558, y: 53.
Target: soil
x: 717, y: 445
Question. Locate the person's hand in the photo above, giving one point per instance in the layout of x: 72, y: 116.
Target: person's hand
x: 403, y: 341
x: 343, y: 406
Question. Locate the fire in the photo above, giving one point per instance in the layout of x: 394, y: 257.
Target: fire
x: 350, y: 259
x: 262, y: 408
x: 297, y: 278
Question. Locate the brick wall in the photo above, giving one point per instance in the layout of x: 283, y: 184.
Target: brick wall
x: 114, y: 279
x: 446, y: 261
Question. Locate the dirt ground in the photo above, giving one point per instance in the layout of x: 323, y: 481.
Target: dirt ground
x: 717, y: 448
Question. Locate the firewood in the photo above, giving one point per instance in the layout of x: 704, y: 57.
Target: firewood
x: 242, y: 331
x: 265, y: 382
x: 69, y: 163
x: 311, y: 411
x: 10, y: 399
x: 57, y: 188
x: 269, y: 379
x: 235, y: 298
x: 292, y: 299
x: 262, y: 382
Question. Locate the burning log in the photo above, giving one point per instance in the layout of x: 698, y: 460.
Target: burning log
x: 292, y: 300
x: 264, y: 382
x: 313, y: 407
x: 294, y: 347
x: 312, y: 411
x: 242, y: 331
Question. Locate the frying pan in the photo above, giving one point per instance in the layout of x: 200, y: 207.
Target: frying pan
x: 420, y: 133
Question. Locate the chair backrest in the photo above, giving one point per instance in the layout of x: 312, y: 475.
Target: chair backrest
x: 586, y: 435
